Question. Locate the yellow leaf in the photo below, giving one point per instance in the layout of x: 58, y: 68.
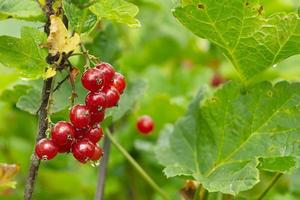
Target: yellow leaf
x: 59, y: 40
x: 49, y: 73
x: 7, y: 172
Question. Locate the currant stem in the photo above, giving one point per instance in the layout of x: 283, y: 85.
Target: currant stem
x: 146, y: 177
x: 273, y: 182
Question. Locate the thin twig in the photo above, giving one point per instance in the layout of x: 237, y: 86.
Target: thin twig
x: 272, y: 183
x: 59, y: 84
x: 103, y: 168
x: 140, y: 170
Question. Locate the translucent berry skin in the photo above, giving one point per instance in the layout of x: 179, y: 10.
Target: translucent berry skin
x: 95, y: 134
x: 112, y: 96
x: 93, y: 79
x: 45, y: 149
x: 81, y: 133
x: 83, y: 150
x: 95, y: 100
x: 119, y: 82
x: 145, y: 124
x: 62, y: 133
x: 65, y: 148
x: 80, y: 116
x: 107, y: 70
x: 217, y: 80
x: 98, y: 153
x: 97, y: 117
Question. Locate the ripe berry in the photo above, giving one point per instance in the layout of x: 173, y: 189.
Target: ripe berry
x: 145, y: 124
x: 107, y: 70
x: 83, y: 150
x: 217, y: 80
x: 94, y: 134
x: 119, y: 82
x: 46, y: 149
x: 80, y: 116
x: 65, y: 148
x: 98, y: 153
x: 95, y: 100
x: 112, y: 96
x: 92, y: 79
x: 81, y: 133
x: 62, y: 133
x: 97, y: 117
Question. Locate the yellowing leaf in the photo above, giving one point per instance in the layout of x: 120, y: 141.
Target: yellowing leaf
x: 49, y: 73
x: 59, y: 40
x: 7, y: 172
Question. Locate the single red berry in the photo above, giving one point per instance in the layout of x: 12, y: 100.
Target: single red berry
x: 81, y: 133
x: 112, y: 96
x: 119, y: 82
x: 92, y: 79
x: 83, y: 150
x: 45, y: 149
x: 98, y: 153
x: 65, y: 148
x: 95, y: 134
x: 97, y: 117
x: 62, y: 133
x: 80, y: 116
x: 95, y: 100
x: 145, y: 124
x: 107, y: 70
x: 216, y: 80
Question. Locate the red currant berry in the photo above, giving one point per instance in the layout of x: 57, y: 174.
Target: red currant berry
x: 217, y: 80
x: 65, y: 148
x: 107, y: 70
x: 119, y: 82
x: 97, y: 117
x: 80, y: 116
x: 95, y: 134
x: 92, y: 79
x: 95, y: 100
x: 98, y: 153
x: 145, y: 124
x: 45, y: 149
x: 62, y: 133
x: 81, y: 133
x: 83, y: 150
x: 112, y: 96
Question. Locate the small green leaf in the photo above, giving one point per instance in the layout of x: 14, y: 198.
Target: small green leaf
x: 252, y: 41
x: 81, y: 20
x: 117, y: 10
x: 24, y: 9
x: 221, y: 140
x: 24, y: 53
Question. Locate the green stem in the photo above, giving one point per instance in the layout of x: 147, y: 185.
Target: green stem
x: 196, y: 196
x: 273, y: 182
x: 146, y: 177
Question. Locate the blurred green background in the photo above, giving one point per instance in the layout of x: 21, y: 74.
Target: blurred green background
x: 174, y: 64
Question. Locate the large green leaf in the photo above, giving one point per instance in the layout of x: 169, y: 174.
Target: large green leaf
x: 24, y: 53
x: 19, y: 9
x: 221, y: 141
x: 252, y: 41
x: 117, y: 10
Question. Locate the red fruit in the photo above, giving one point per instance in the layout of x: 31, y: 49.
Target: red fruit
x: 98, y: 153
x: 65, y: 148
x: 145, y: 124
x: 46, y: 149
x: 62, y: 133
x: 107, y: 70
x: 119, y: 82
x: 81, y: 133
x: 97, y: 117
x: 95, y: 134
x: 112, y: 96
x: 217, y: 80
x: 92, y: 79
x: 83, y: 150
x: 80, y: 116
x: 95, y: 100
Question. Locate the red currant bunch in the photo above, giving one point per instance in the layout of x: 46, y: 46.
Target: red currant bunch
x: 81, y: 135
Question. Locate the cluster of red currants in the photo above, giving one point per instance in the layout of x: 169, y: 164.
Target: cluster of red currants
x: 84, y: 132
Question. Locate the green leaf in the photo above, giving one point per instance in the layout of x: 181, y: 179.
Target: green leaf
x: 221, y: 140
x: 19, y: 9
x: 275, y: 164
x: 24, y: 53
x: 252, y: 41
x: 117, y: 10
x: 81, y: 20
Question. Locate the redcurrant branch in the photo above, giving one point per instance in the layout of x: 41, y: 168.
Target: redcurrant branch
x: 141, y: 171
